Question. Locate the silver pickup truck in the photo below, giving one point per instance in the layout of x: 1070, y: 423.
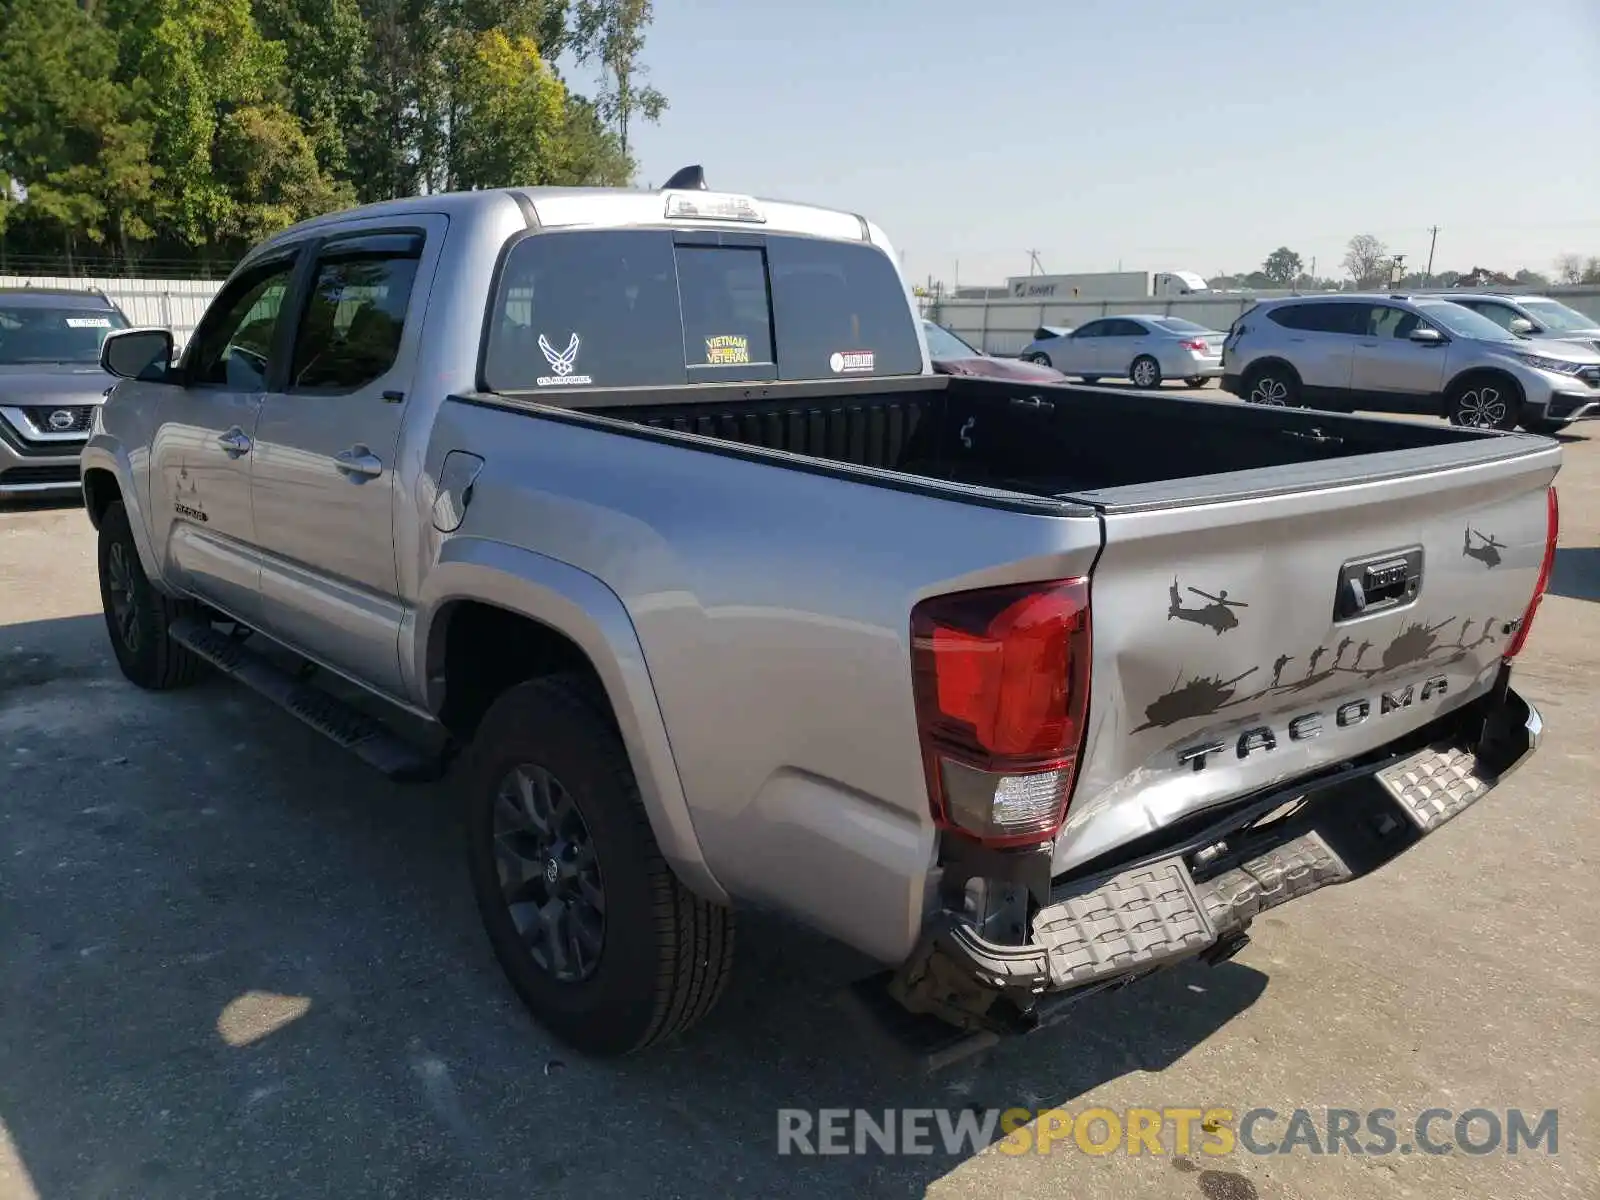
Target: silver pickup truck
x: 644, y: 517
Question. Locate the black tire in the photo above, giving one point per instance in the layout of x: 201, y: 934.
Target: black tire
x: 1197, y: 381
x: 1273, y: 384
x: 664, y: 954
x: 1148, y: 368
x: 1545, y: 427
x: 1484, y: 401
x: 1038, y: 359
x: 1091, y: 380
x: 137, y: 615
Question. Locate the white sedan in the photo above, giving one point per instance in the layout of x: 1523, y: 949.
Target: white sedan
x: 1145, y: 349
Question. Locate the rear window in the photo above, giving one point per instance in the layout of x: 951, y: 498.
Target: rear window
x: 1346, y: 317
x: 628, y: 308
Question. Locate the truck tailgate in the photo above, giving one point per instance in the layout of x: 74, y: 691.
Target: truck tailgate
x: 1229, y: 655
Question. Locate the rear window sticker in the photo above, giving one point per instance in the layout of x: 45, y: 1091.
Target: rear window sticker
x: 728, y: 349
x: 850, y: 362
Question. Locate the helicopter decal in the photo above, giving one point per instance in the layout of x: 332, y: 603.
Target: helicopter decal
x: 1487, y: 551
x: 1216, y: 616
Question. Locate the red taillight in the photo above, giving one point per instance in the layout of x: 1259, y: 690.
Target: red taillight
x: 1198, y: 345
x: 1552, y: 531
x: 1001, y: 679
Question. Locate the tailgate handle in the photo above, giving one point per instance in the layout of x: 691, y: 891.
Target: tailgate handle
x: 1378, y: 582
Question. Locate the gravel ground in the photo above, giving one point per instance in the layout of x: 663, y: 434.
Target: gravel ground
x: 235, y: 963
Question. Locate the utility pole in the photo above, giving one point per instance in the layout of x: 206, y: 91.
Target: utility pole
x: 1433, y: 240
x: 1035, y: 267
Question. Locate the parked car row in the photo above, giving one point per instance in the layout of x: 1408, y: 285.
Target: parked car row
x: 1477, y: 360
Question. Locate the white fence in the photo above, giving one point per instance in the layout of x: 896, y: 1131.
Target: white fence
x: 174, y: 304
x: 1004, y: 327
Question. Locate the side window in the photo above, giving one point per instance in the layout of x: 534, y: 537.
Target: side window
x: 839, y: 309
x: 727, y: 322
x: 1337, y: 318
x: 1384, y: 319
x: 1128, y: 329
x: 355, y: 312
x: 586, y: 309
x: 1093, y: 329
x: 1501, y: 314
x: 232, y: 348
x: 1290, y: 317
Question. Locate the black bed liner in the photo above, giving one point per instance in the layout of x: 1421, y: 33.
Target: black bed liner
x: 1114, y: 450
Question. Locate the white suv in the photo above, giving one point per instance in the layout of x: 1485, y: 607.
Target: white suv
x: 1412, y: 354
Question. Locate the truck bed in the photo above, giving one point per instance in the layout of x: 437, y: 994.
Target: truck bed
x: 1113, y: 449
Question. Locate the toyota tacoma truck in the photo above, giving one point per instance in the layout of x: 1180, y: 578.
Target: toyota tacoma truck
x: 641, y: 516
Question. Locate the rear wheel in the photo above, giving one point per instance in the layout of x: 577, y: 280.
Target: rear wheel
x: 137, y: 615
x: 601, y: 941
x: 1273, y: 384
x: 1090, y: 379
x: 1196, y: 381
x: 1039, y: 359
x: 1485, y: 402
x: 1145, y: 372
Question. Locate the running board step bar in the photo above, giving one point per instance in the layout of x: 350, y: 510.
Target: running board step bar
x: 367, y: 738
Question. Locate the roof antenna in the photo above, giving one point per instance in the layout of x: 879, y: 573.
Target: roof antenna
x: 686, y: 180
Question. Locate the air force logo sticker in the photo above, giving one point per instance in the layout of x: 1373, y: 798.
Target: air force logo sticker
x: 562, y: 363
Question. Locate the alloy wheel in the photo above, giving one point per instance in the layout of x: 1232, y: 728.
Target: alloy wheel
x: 124, y: 601
x: 549, y: 875
x: 1482, y: 407
x: 1144, y: 372
x: 1270, y: 390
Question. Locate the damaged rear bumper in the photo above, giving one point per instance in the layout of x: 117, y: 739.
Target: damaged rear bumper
x: 1197, y: 895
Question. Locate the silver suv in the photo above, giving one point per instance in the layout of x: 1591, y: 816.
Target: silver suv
x: 1538, y: 318
x: 1410, y: 354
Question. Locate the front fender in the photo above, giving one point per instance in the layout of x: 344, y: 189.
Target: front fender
x: 102, y: 452
x: 581, y: 607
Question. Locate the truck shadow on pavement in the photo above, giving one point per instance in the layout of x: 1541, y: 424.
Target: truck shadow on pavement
x: 1576, y: 573
x: 235, y: 962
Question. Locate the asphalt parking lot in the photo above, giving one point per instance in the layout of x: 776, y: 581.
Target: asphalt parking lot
x: 235, y: 963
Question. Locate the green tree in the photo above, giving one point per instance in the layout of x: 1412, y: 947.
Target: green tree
x: 611, y: 33
x: 70, y: 135
x: 509, y: 111
x: 1282, y: 267
x: 326, y: 44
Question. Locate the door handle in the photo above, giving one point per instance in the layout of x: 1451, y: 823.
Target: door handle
x: 235, y: 442
x: 358, y: 463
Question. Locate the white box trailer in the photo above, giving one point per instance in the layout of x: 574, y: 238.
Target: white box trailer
x: 1105, y: 285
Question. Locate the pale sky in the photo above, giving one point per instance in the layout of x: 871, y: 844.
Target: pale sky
x: 1154, y: 134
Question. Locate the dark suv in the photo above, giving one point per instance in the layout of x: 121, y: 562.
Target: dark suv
x: 50, y: 384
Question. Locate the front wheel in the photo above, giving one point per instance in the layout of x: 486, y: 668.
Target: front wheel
x: 137, y: 615
x: 1195, y: 381
x: 598, y: 937
x: 1145, y: 372
x: 1039, y: 360
x: 1485, y: 402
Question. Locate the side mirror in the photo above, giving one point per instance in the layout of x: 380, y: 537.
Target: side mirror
x: 1426, y: 336
x: 1522, y: 327
x: 144, y: 354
